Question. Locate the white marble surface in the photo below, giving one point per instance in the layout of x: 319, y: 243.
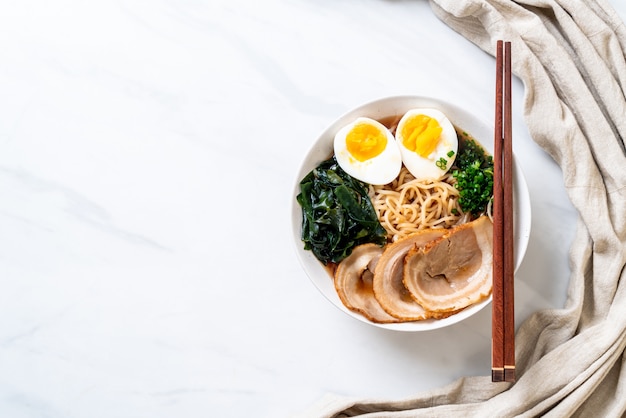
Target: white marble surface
x: 147, y: 156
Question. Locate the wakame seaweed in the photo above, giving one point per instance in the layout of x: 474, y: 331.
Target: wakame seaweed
x: 337, y: 214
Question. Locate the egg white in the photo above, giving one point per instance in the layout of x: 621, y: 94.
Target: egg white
x: 378, y: 170
x: 426, y: 167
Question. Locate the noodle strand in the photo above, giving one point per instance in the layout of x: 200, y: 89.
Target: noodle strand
x: 408, y: 205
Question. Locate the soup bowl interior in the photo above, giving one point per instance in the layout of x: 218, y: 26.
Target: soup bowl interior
x: 388, y: 107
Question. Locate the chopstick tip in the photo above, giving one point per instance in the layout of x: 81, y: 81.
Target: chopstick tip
x: 509, y: 373
x: 497, y: 374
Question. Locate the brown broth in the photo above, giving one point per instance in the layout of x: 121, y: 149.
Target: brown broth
x: 391, y: 122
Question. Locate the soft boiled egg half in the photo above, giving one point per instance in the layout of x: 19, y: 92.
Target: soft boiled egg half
x: 367, y: 150
x: 427, y: 142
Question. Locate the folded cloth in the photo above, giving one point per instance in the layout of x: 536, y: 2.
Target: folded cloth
x: 570, y: 361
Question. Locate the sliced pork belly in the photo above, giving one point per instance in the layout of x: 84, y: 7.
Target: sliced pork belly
x: 454, y: 271
x: 389, y: 289
x: 353, y: 282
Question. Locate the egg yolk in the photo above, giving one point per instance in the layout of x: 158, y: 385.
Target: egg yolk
x: 365, y: 141
x: 421, y: 134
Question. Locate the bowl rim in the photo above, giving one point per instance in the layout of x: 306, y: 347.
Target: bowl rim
x: 321, y: 148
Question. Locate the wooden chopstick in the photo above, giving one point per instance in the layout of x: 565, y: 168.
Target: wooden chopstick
x: 503, y: 313
x: 509, y: 258
x: 497, y: 306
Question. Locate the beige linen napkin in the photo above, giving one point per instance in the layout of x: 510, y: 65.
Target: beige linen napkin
x: 570, y: 362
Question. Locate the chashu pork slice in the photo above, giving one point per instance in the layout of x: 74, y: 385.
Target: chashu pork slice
x: 353, y: 282
x: 454, y: 271
x: 389, y: 289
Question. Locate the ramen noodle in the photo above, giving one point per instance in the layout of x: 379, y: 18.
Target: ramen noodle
x: 408, y: 205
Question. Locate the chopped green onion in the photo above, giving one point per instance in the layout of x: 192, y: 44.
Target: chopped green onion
x: 474, y: 177
x: 441, y: 163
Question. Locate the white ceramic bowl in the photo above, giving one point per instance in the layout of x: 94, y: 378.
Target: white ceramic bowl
x: 390, y: 106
